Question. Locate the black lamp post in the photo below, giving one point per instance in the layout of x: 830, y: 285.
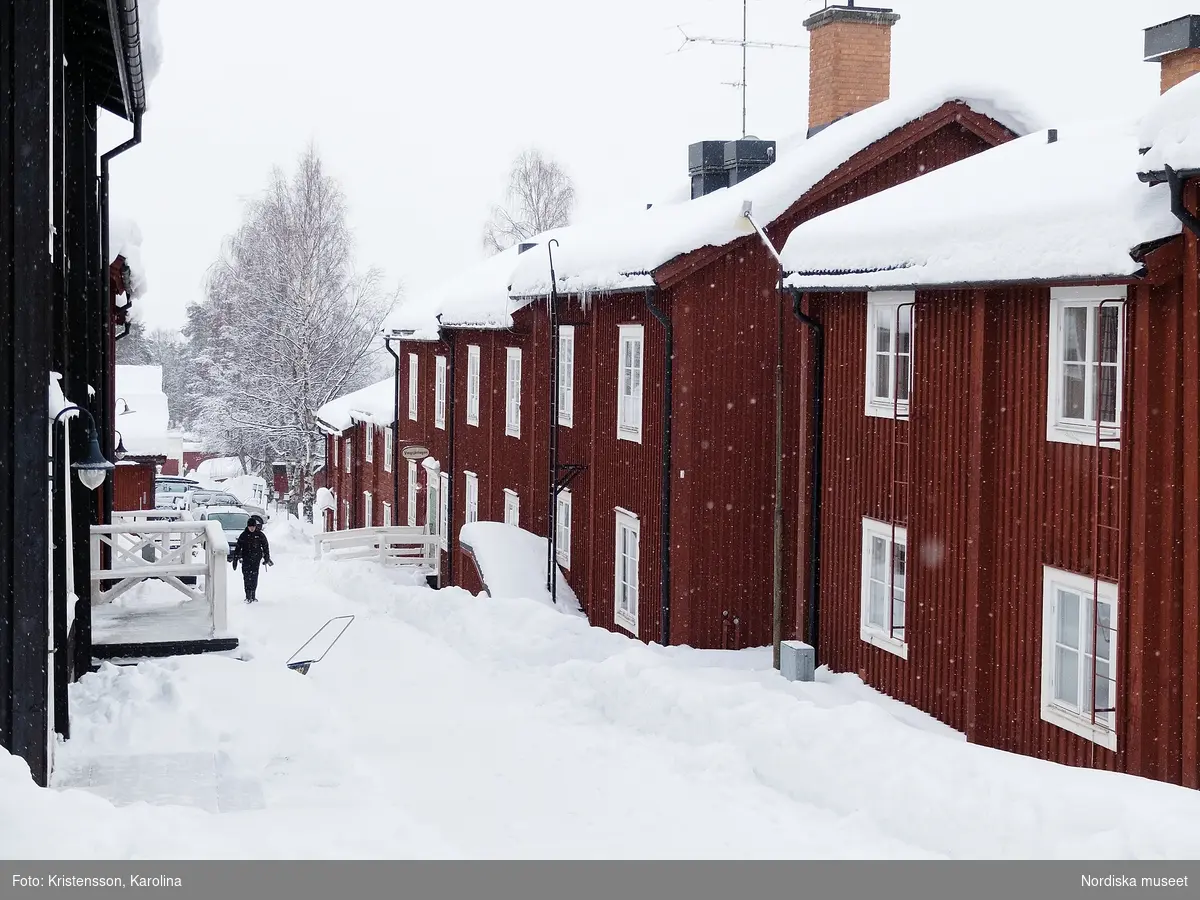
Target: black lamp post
x: 93, y: 469
x: 120, y: 450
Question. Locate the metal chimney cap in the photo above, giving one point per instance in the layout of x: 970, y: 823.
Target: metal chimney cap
x: 1171, y: 37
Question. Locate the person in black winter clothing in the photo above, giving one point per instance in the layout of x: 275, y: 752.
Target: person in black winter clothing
x: 251, y: 549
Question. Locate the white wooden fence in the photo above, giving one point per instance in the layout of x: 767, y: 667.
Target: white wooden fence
x: 170, y: 550
x: 393, y: 545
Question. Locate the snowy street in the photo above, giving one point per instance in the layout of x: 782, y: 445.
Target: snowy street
x: 445, y: 725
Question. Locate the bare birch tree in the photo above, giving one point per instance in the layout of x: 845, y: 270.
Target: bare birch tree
x: 287, y: 326
x: 540, y: 197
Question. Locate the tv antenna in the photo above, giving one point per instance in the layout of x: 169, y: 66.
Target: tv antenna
x: 745, y: 43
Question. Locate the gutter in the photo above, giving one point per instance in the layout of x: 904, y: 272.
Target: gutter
x: 665, y: 604
x: 1177, y: 181
x: 387, y: 342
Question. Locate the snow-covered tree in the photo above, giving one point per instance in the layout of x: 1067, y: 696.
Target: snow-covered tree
x: 540, y: 197
x: 287, y: 325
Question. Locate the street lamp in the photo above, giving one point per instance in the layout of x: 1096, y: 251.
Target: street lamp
x: 120, y: 450
x: 93, y: 468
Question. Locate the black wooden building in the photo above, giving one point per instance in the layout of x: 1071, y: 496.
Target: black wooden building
x: 61, y: 63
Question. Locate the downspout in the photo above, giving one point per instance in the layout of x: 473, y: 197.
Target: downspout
x: 450, y: 482
x: 1178, y: 206
x: 387, y: 342
x: 814, y: 567
x: 665, y: 606
x: 552, y: 490
x: 125, y: 332
x: 109, y: 371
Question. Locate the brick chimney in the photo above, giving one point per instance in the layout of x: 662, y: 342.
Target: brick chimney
x: 1175, y: 46
x: 849, y: 61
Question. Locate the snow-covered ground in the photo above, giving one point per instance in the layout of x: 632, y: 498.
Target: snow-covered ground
x: 447, y: 725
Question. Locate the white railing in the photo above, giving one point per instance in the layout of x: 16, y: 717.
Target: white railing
x: 393, y: 545
x: 170, y: 551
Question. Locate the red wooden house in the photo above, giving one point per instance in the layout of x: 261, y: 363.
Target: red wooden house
x: 669, y: 328
x: 1010, y: 442
x: 360, y: 457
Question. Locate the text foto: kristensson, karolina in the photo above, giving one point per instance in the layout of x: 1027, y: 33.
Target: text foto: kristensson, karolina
x: 93, y: 881
x: 1131, y: 881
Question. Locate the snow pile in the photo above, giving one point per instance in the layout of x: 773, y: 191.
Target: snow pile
x: 125, y: 239
x: 250, y: 489
x: 218, y: 469
x: 443, y: 724
x: 512, y: 563
x: 375, y: 404
x: 324, y: 501
x: 1029, y: 209
x: 1170, y: 130
x: 143, y: 416
x: 620, y: 254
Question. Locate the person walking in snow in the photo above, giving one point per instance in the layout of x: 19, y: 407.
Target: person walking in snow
x: 251, y: 549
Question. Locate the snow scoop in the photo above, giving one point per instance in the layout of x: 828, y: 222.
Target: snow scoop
x: 303, y: 665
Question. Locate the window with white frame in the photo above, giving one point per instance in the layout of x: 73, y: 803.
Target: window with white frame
x: 890, y: 316
x: 389, y: 449
x: 472, y: 385
x: 433, y: 502
x: 1086, y: 378
x: 471, y: 494
x: 348, y: 452
x: 387, y: 515
x: 566, y: 375
x: 1077, y: 614
x: 369, y: 441
x: 439, y: 393
x: 444, y: 523
x: 884, y: 586
x: 562, y: 531
x: 625, y: 581
x: 334, y: 441
x: 367, y: 520
x: 512, y: 508
x: 512, y: 393
x: 413, y: 487
x: 346, y: 514
x: 412, y: 386
x: 629, y: 383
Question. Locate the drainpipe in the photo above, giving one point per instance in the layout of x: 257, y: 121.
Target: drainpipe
x: 106, y: 352
x: 665, y: 606
x: 814, y: 568
x: 552, y: 491
x: 450, y: 482
x: 387, y: 342
x: 1178, y: 207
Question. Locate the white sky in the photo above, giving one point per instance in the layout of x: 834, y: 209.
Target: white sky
x: 418, y: 107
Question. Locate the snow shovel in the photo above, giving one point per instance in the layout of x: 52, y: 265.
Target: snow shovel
x: 303, y: 665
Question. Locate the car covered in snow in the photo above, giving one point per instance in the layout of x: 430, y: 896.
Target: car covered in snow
x: 197, y: 500
x: 169, y: 489
x: 232, y: 520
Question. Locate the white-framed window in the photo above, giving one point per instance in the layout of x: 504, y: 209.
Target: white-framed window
x: 389, y: 448
x: 629, y: 383
x: 439, y: 393
x: 472, y: 497
x: 346, y: 513
x: 884, y: 572
x: 1069, y: 625
x: 334, y: 441
x: 562, y: 534
x: 625, y: 571
x: 444, y: 523
x: 367, y: 520
x: 512, y: 393
x: 369, y: 441
x: 890, y: 317
x: 433, y: 502
x: 566, y: 375
x: 1086, y: 377
x: 387, y: 515
x: 512, y: 508
x: 413, y: 486
x: 413, y: 370
x: 472, y: 385
x: 348, y: 451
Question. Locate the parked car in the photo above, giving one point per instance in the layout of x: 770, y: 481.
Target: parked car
x: 167, y: 488
x: 232, y: 520
x: 195, y: 500
x: 256, y: 510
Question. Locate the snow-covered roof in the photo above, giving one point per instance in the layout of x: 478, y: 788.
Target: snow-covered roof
x: 1024, y: 211
x: 478, y: 297
x: 622, y: 252
x: 375, y: 404
x: 142, y: 413
x: 1170, y: 130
